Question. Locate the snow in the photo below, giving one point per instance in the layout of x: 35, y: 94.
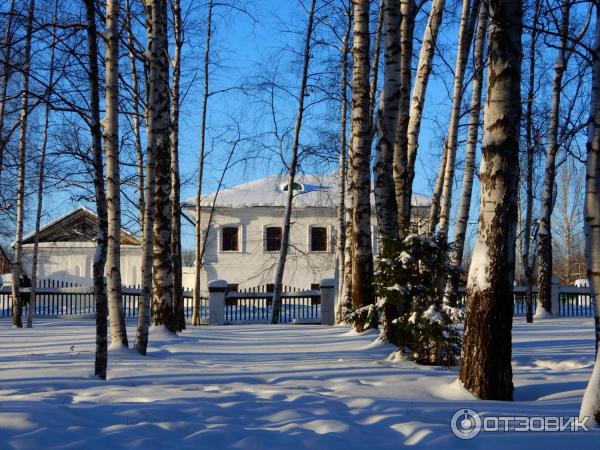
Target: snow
x: 280, y: 387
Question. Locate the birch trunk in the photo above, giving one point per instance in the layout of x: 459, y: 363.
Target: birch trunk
x: 434, y: 208
x: 40, y: 187
x: 465, y: 36
x: 6, y: 71
x: 486, y: 351
x: 178, y: 307
x: 590, y: 405
x: 462, y: 221
x: 118, y: 331
x: 287, y: 216
x: 387, y: 116
x: 101, y: 358
x: 408, y: 10
x: 18, y: 266
x: 360, y: 153
x: 135, y: 81
x: 198, y: 230
x: 544, y: 243
x: 418, y: 98
x: 159, y: 124
x: 529, y: 141
x: 343, y: 166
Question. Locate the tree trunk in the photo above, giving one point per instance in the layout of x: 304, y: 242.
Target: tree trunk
x: 529, y: 141
x: 287, y: 216
x: 544, y: 244
x: 40, y: 187
x: 360, y: 155
x: 198, y: 230
x: 408, y: 10
x: 465, y: 36
x: 434, y: 208
x: 178, y: 307
x: 418, y: 99
x: 118, y: 331
x: 6, y: 71
x: 590, y: 405
x: 158, y: 125
x: 343, y: 166
x: 462, y: 221
x: 101, y: 235
x: 18, y: 266
x: 486, y: 351
x: 387, y: 116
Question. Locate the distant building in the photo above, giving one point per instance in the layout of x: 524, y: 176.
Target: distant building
x: 244, y: 231
x: 243, y: 239
x: 67, y: 246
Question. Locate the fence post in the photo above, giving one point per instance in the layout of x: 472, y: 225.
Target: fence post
x: 555, y: 295
x: 216, y: 302
x: 327, y: 302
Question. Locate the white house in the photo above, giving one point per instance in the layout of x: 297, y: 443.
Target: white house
x: 66, y: 250
x: 242, y: 226
x: 244, y: 230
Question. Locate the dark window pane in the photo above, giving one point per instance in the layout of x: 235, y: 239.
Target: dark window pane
x: 315, y: 286
x: 230, y: 239
x: 273, y: 239
x: 318, y: 239
x: 233, y: 287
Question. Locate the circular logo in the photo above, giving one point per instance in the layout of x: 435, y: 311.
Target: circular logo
x: 465, y: 423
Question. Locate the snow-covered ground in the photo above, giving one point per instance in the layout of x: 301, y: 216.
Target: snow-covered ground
x: 273, y: 387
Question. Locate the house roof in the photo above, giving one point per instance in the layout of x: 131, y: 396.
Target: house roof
x: 314, y: 191
x: 78, y: 225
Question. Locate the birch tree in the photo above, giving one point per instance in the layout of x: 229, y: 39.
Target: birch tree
x: 42, y: 166
x: 118, y: 330
x: 544, y: 234
x: 464, y: 207
x: 158, y: 130
x: 486, y: 352
x: 359, y: 170
x: 465, y: 36
x: 178, y: 307
x: 99, y: 261
x: 6, y: 73
x: 293, y: 166
x: 529, y: 141
x: 198, y: 228
x: 387, y: 116
x: 18, y: 265
x: 590, y: 405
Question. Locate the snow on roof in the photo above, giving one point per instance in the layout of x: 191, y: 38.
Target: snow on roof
x: 313, y: 191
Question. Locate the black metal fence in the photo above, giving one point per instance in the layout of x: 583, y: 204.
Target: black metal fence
x: 58, y: 298
x: 257, y: 306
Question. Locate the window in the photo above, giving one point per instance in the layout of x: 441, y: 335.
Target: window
x: 272, y: 239
x: 296, y: 187
x: 230, y: 239
x: 318, y: 239
x: 234, y: 287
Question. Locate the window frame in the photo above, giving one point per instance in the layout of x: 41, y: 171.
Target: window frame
x: 239, y: 238
x: 328, y: 235
x: 266, y: 240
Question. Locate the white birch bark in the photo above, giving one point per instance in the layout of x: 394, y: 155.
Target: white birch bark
x: 159, y: 124
x: 287, y: 216
x: 590, y: 405
x: 544, y: 235
x: 118, y: 331
x: 486, y: 351
x: 387, y: 116
x: 360, y: 153
x: 178, y: 307
x: 99, y: 262
x: 42, y: 166
x: 465, y: 36
x: 464, y: 207
x: 198, y: 230
x: 17, y: 320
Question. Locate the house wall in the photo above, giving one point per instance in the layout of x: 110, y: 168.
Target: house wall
x: 72, y: 262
